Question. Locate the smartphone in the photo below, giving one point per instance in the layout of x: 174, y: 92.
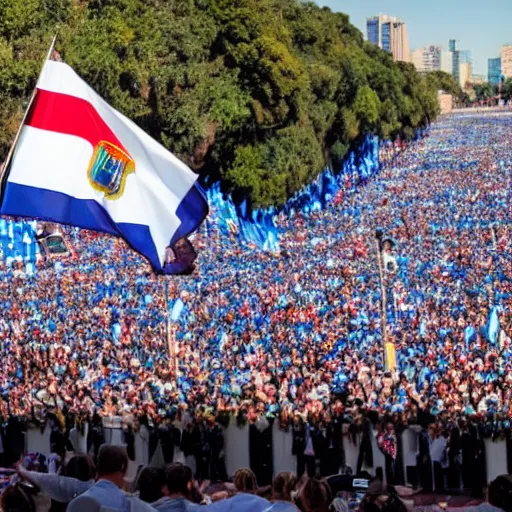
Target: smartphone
x: 360, y: 483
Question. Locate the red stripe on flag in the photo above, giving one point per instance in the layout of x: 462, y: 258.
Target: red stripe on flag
x: 62, y: 113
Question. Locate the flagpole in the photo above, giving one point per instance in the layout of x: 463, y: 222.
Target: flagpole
x: 3, y: 170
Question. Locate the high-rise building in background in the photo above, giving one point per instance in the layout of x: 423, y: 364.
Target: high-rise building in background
x: 390, y: 34
x: 465, y: 68
x: 373, y: 30
x: 465, y: 57
x: 400, y: 42
x: 455, y: 58
x: 506, y: 61
x: 447, y: 62
x: 462, y: 64
x: 465, y: 74
x: 427, y: 59
x: 494, y: 71
x: 433, y: 58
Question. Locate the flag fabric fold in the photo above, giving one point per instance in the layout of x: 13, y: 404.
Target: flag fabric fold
x: 80, y: 162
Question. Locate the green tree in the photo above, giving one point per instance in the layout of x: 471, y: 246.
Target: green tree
x: 506, y: 90
x: 261, y: 94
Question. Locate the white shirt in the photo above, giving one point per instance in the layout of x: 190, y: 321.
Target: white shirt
x: 438, y: 449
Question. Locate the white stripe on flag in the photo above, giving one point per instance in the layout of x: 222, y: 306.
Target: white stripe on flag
x: 47, y: 166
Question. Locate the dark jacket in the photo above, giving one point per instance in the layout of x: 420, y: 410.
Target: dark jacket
x: 191, y: 440
x: 260, y: 454
x: 169, y: 437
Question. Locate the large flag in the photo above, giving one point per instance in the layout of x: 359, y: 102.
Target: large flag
x: 80, y: 162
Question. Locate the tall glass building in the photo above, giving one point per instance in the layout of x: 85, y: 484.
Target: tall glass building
x: 494, y: 71
x: 386, y: 36
x: 373, y: 29
x: 455, y: 58
x: 390, y: 34
x: 465, y: 57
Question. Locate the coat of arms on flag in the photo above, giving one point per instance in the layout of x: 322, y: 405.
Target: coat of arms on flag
x: 78, y: 161
x: 109, y: 169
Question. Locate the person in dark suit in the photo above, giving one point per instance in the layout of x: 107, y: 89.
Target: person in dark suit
x: 365, y: 449
x: 302, y: 449
x: 169, y: 437
x: 260, y: 451
x: 454, y: 459
x: 191, y: 442
x: 96, y: 435
x: 424, y: 462
x: 473, y: 460
x: 215, y: 439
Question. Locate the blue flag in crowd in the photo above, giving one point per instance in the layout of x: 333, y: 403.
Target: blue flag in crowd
x: 493, y: 326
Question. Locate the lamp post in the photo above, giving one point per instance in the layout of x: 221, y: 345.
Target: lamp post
x: 389, y: 347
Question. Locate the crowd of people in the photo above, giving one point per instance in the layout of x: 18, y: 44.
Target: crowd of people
x: 84, y: 485
x: 297, y: 335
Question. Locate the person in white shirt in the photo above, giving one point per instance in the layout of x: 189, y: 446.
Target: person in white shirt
x: 438, y: 455
x: 106, y: 493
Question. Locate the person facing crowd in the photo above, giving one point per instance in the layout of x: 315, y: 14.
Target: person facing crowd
x: 178, y: 488
x: 76, y: 478
x: 314, y: 496
x: 150, y: 484
x: 111, y: 467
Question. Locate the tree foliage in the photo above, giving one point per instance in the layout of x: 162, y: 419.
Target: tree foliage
x: 445, y: 82
x: 261, y: 94
x: 506, y: 90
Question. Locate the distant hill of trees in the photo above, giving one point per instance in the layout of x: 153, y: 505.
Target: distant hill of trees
x: 261, y: 94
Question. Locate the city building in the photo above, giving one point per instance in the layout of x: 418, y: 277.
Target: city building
x: 390, y: 34
x: 452, y: 47
x: 400, y: 42
x: 506, y: 61
x: 447, y: 62
x: 465, y: 57
x: 494, y: 71
x: 465, y: 74
x: 462, y: 64
x: 427, y: 59
x: 433, y: 58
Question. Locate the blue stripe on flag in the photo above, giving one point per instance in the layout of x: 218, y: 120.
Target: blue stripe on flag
x: 192, y: 210
x: 36, y: 203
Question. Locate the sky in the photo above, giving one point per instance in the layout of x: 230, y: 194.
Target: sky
x: 482, y: 26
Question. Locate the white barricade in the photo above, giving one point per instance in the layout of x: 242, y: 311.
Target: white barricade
x: 236, y: 443
x: 282, y: 450
x: 351, y: 451
x: 495, y: 458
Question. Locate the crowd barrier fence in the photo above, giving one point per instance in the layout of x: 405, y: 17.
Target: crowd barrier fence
x: 237, y: 450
